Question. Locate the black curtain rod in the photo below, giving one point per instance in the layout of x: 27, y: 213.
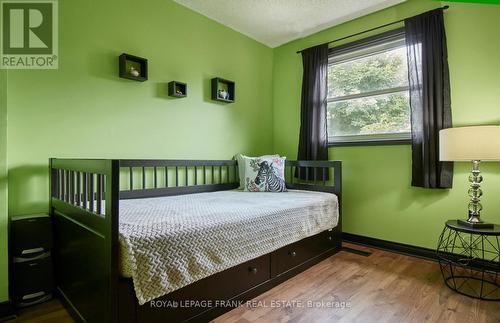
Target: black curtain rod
x: 364, y: 31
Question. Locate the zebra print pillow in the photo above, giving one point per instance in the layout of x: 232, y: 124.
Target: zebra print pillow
x: 241, y: 166
x: 265, y: 174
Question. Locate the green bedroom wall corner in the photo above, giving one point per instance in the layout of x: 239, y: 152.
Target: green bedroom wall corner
x: 4, y: 218
x: 84, y: 109
x: 378, y: 199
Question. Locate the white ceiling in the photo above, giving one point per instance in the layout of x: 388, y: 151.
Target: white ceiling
x: 276, y: 22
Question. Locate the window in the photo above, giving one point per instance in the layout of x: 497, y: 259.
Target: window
x: 368, y: 93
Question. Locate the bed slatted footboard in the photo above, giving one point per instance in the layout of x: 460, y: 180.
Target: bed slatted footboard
x: 84, y: 208
x: 84, y: 204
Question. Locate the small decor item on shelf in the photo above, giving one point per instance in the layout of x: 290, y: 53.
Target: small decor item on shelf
x: 134, y: 72
x: 223, y: 94
x: 223, y: 90
x: 133, y: 67
x: 471, y: 144
x: 177, y: 89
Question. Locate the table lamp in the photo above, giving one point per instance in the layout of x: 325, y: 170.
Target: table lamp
x: 472, y: 144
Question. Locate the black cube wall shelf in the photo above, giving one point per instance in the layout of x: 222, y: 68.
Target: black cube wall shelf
x: 133, y: 67
x: 223, y: 90
x: 177, y: 89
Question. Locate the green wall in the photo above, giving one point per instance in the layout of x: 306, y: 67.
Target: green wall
x: 3, y: 186
x: 84, y: 110
x: 378, y: 199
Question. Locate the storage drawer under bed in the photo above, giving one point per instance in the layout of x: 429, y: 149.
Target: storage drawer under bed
x: 190, y: 302
x: 297, y: 253
x: 192, y: 299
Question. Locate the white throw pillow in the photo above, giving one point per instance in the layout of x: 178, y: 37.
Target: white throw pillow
x: 241, y: 166
x: 265, y: 174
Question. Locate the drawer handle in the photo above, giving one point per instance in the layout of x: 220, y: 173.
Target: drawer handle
x: 29, y: 251
x: 292, y: 253
x: 253, y: 270
x: 330, y: 238
x: 35, y: 257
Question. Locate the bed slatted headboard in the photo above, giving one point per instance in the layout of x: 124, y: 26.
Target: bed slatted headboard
x: 314, y: 175
x: 151, y: 178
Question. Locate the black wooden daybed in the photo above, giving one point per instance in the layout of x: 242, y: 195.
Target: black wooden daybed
x: 85, y: 197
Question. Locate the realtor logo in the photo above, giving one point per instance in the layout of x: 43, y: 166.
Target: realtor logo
x: 29, y: 34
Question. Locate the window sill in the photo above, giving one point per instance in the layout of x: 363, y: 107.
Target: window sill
x: 386, y: 142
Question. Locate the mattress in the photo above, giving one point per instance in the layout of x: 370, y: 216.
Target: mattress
x: 167, y: 243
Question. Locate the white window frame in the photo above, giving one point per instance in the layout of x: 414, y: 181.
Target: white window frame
x: 350, y: 52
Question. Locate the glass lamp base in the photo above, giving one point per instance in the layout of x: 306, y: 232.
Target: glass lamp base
x: 475, y: 225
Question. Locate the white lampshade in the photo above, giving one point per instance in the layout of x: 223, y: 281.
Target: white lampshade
x: 470, y: 143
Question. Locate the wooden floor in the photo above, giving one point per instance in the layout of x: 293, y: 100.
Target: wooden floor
x: 384, y: 287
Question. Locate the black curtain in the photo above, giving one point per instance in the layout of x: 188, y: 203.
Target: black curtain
x: 313, y: 140
x: 429, y: 98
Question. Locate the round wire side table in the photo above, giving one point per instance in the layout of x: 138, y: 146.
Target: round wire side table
x: 470, y: 260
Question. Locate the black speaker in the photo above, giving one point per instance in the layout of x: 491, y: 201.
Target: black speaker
x: 32, y: 278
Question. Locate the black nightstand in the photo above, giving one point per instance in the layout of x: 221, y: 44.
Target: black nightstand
x: 470, y: 260
x: 32, y: 278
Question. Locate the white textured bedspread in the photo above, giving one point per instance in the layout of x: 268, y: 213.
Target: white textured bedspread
x: 167, y: 243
